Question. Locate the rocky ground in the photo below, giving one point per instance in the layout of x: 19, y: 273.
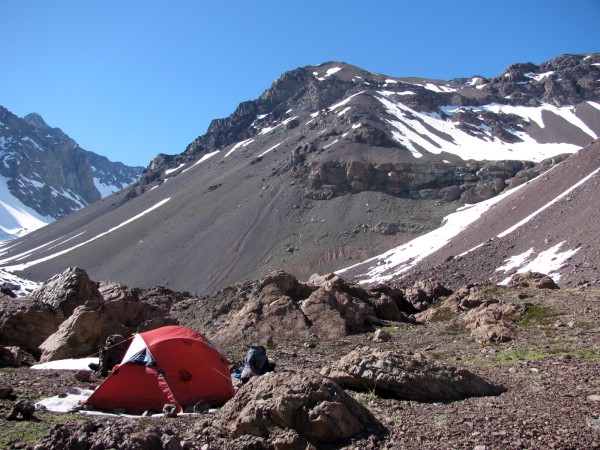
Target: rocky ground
x: 547, y: 364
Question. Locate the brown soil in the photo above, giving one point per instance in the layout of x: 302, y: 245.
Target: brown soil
x: 551, y: 371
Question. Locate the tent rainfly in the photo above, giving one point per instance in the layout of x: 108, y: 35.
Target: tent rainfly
x: 171, y: 364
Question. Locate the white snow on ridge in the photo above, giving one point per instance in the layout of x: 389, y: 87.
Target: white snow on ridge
x: 105, y: 189
x: 438, y: 88
x: 412, y: 127
x: 539, y: 76
x: 170, y: 171
x: 547, y: 205
x: 402, y: 258
x: 332, y: 71
x: 529, y: 113
x: 238, y: 145
x: 23, y: 266
x: 268, y: 150
x: 16, y: 219
x: 594, y: 104
x: 344, y: 102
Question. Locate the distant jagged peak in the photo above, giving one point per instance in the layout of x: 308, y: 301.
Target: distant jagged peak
x: 36, y: 120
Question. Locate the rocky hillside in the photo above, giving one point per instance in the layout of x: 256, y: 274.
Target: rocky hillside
x: 354, y: 367
x: 547, y: 225
x: 330, y: 166
x: 45, y: 175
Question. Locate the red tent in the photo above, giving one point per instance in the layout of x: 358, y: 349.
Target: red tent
x: 167, y: 365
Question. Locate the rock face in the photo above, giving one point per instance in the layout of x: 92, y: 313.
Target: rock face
x: 81, y: 335
x: 280, y: 306
x: 470, y: 182
x: 532, y: 279
x: 68, y: 290
x: 49, y: 172
x: 27, y: 323
x: 407, y: 377
x: 315, y: 408
x: 70, y: 316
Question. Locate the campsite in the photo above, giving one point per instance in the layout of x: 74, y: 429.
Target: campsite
x: 518, y: 369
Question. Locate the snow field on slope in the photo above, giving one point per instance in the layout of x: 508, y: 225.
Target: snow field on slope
x: 411, y: 130
x: 547, y: 262
x: 402, y: 258
x: 16, y: 218
x: 23, y: 266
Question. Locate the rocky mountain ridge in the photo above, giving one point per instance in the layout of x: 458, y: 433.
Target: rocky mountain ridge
x: 331, y: 166
x: 47, y: 172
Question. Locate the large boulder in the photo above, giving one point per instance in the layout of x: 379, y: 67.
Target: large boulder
x: 81, y: 335
x: 314, y: 407
x: 493, y: 322
x: 425, y: 292
x: 11, y: 356
x: 407, y: 377
x: 27, y: 323
x: 68, y: 290
x: 532, y: 279
x: 467, y: 297
x: 124, y: 305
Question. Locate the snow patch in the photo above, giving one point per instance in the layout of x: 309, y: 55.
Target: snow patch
x: 548, y: 262
x: 16, y: 219
x: 547, y: 205
x: 66, y: 364
x: 329, y: 145
x: 23, y: 266
x: 238, y: 145
x: 539, y: 76
x: 170, y: 171
x: 344, y: 102
x: 402, y: 258
x: 270, y: 149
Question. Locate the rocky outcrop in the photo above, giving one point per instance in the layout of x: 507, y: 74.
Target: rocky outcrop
x: 279, y: 307
x: 11, y: 356
x: 493, y: 322
x: 463, y: 299
x: 66, y: 291
x: 48, y: 171
x: 81, y: 335
x: 532, y: 279
x: 315, y: 409
x: 27, y: 323
x: 425, y: 292
x: 71, y: 316
x: 470, y: 183
x: 407, y: 377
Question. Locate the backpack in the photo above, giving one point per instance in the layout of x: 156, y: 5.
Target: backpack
x: 255, y: 362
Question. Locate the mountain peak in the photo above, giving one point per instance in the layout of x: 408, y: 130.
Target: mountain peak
x: 35, y: 120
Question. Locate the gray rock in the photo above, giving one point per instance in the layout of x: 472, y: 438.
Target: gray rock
x: 314, y: 407
x: 407, y: 377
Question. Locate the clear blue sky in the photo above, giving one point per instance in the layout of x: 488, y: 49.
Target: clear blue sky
x: 131, y: 79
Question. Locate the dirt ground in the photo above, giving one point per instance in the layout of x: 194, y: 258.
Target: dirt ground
x: 551, y: 371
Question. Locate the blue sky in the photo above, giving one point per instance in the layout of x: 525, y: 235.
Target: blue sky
x: 131, y: 79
